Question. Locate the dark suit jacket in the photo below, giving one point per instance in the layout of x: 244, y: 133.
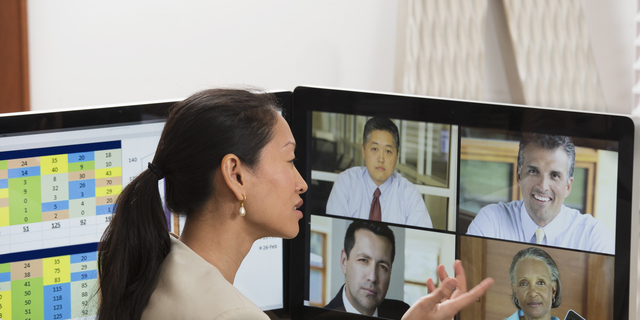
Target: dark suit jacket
x: 391, y: 309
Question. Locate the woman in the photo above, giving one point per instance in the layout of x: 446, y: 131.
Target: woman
x: 535, y: 285
x: 227, y: 160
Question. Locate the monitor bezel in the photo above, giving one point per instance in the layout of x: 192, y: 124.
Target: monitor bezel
x: 620, y: 128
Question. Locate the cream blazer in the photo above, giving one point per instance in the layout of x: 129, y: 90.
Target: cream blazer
x: 191, y: 288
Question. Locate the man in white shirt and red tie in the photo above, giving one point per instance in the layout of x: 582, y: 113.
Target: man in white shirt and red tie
x: 545, y: 177
x: 376, y: 191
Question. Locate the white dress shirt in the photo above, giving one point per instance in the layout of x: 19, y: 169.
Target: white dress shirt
x: 569, y: 229
x: 400, y: 200
x: 350, y: 308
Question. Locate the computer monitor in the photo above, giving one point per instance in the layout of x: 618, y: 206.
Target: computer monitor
x: 453, y: 187
x: 60, y: 174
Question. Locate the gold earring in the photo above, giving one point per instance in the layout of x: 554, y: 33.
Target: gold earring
x: 242, y: 211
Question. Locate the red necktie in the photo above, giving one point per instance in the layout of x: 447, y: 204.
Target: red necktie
x: 375, y: 213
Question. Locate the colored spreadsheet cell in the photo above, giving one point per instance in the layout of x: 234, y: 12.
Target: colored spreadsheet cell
x: 26, y: 299
x: 5, y: 305
x: 4, y: 217
x: 3, y: 165
x: 53, y: 206
x: 4, y: 183
x: 112, y: 181
x: 55, y: 215
x: 109, y: 172
x: 101, y: 201
x: 24, y: 172
x: 57, y: 301
x: 83, y: 266
x: 82, y: 208
x: 80, y: 166
x: 5, y: 286
x: 106, y: 209
x: 83, y: 257
x: 81, y: 157
x: 54, y: 164
x: 28, y: 269
x: 55, y: 187
x: 108, y: 158
x: 82, y: 189
x: 5, y: 276
x: 108, y: 191
x: 56, y: 270
x: 81, y: 175
x: 23, y: 163
x: 83, y: 300
x: 25, y: 200
x: 84, y: 275
x: 5, y: 267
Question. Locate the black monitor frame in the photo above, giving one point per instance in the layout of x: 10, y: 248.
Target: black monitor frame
x: 618, y: 128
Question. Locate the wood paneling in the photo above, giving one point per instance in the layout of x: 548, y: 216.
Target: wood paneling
x: 599, y: 279
x: 474, y: 263
x: 14, y: 58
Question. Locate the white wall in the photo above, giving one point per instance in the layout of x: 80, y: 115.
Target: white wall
x: 92, y: 53
x: 104, y: 52
x: 612, y: 31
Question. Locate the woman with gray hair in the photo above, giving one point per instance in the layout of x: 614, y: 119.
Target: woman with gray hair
x: 535, y: 285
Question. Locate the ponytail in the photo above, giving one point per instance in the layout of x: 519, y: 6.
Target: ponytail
x: 132, y: 249
x: 199, y: 132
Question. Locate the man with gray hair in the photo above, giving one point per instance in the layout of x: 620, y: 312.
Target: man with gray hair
x: 376, y: 191
x: 545, y: 178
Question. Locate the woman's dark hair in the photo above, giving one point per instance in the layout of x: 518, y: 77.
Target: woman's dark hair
x: 539, y: 254
x: 199, y: 132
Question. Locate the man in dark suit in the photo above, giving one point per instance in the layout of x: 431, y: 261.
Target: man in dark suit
x: 366, y: 262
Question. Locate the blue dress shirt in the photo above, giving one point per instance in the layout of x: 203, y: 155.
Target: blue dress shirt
x: 520, y: 313
x: 570, y: 229
x: 400, y: 200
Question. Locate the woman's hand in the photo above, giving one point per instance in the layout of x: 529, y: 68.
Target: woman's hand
x: 445, y: 301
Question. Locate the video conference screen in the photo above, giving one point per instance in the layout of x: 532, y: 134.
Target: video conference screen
x: 392, y: 195
x: 60, y: 175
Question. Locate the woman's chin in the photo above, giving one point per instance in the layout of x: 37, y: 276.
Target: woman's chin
x: 292, y: 233
x: 288, y: 232
x: 538, y: 314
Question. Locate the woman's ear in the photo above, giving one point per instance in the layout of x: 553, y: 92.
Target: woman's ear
x: 234, y: 174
